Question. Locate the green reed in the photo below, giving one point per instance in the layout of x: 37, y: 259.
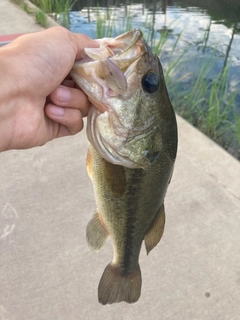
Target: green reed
x: 41, y: 18
x: 106, y: 23
x: 209, y: 104
x: 26, y: 8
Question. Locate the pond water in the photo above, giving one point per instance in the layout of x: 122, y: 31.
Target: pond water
x: 197, y: 30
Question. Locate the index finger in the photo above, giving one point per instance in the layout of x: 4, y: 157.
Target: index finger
x: 81, y: 42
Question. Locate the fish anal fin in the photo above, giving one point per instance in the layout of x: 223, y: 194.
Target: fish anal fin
x: 116, y: 286
x: 155, y: 231
x: 96, y: 233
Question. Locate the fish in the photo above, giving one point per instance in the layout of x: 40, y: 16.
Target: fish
x: 132, y: 133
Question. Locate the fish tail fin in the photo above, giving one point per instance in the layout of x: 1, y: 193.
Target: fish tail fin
x: 96, y: 233
x: 155, y: 231
x: 115, y: 286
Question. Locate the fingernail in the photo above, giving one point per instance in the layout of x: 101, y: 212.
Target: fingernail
x: 63, y: 94
x: 56, y: 111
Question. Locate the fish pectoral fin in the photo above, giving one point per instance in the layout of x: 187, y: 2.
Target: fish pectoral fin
x: 96, y: 233
x: 155, y: 231
x: 115, y: 286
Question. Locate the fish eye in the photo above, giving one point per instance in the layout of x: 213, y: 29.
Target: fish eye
x: 150, y: 82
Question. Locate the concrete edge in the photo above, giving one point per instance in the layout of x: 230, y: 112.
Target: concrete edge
x: 50, y: 22
x: 209, y: 157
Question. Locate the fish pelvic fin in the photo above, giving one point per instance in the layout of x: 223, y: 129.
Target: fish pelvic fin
x: 96, y: 233
x: 155, y: 231
x: 116, y: 286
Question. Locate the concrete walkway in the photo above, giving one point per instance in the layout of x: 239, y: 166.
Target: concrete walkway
x: 47, y: 271
x: 13, y: 20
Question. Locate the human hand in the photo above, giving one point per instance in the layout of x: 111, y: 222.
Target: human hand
x: 38, y: 101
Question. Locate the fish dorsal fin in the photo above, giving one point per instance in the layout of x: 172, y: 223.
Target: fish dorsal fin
x: 155, y: 231
x: 96, y: 233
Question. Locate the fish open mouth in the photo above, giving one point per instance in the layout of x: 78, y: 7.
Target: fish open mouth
x: 120, y: 122
x: 110, y: 66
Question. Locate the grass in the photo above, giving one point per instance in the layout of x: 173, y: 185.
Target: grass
x: 57, y: 9
x: 24, y: 5
x: 208, y: 104
x: 238, y: 127
x: 41, y: 18
x: 40, y: 15
x: 26, y: 8
x: 19, y: 2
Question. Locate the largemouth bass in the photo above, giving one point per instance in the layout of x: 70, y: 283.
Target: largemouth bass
x: 132, y: 132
